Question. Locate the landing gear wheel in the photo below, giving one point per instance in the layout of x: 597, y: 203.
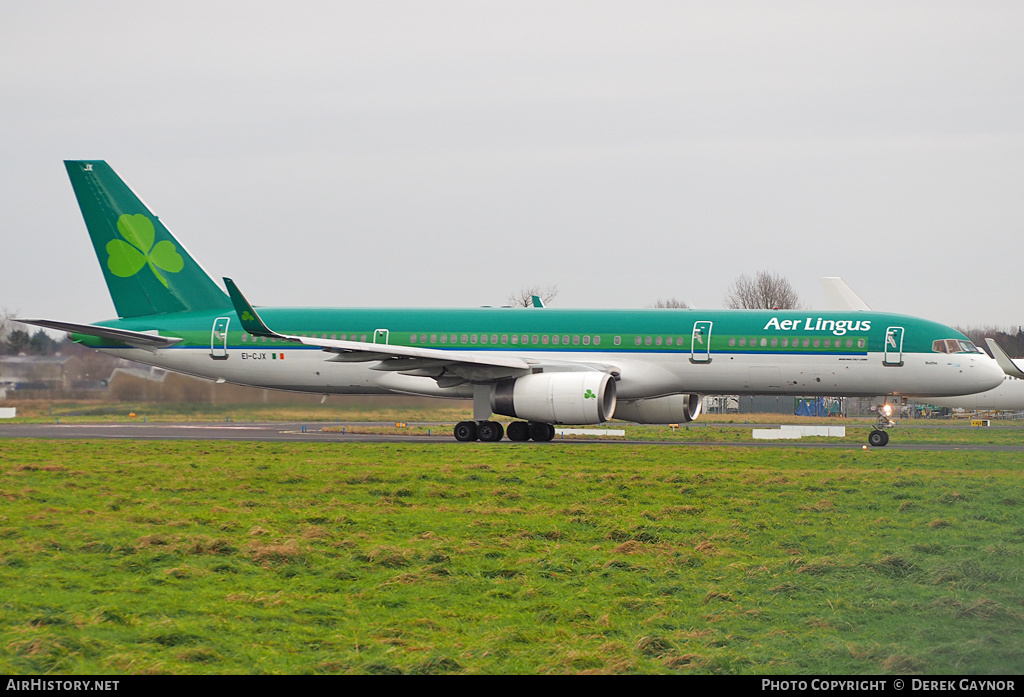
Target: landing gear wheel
x: 490, y: 431
x: 541, y: 432
x: 518, y: 431
x: 878, y: 438
x: 465, y: 431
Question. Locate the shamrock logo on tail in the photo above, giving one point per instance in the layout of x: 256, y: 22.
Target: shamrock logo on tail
x: 590, y: 395
x: 127, y: 257
x: 246, y: 316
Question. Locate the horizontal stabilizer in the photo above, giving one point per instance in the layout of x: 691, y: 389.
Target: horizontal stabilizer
x: 143, y: 340
x: 1005, y: 362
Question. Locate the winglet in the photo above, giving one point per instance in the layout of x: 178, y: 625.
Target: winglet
x: 841, y: 296
x: 537, y: 302
x: 247, y: 315
x: 1004, y: 361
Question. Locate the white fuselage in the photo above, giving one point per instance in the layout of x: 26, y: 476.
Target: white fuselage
x: 307, y: 369
x: 1008, y: 396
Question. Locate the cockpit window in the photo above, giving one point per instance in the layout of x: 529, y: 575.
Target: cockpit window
x: 954, y: 346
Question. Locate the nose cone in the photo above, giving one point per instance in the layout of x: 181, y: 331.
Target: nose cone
x: 989, y: 374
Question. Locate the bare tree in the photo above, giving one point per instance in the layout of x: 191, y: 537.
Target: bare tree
x: 524, y: 298
x: 671, y: 303
x: 6, y: 319
x: 765, y: 291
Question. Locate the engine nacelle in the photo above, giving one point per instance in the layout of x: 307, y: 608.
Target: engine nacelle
x: 673, y: 409
x: 572, y: 398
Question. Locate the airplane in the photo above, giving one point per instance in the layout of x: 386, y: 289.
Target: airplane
x: 1007, y: 396
x: 540, y: 367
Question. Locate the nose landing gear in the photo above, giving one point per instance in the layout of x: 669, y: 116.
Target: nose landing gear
x: 878, y: 437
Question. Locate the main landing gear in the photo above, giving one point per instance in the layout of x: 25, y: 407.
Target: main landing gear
x: 492, y: 431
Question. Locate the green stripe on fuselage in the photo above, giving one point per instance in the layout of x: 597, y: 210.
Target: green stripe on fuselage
x: 429, y: 325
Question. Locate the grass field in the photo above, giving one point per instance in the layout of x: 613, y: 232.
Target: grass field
x: 201, y: 557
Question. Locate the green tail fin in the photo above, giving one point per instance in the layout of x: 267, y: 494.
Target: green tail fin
x: 147, y: 270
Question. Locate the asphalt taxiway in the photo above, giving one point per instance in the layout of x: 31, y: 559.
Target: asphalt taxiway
x: 316, y: 433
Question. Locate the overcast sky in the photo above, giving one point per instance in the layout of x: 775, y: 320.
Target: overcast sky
x: 450, y: 153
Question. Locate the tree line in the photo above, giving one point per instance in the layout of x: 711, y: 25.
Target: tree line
x: 15, y: 341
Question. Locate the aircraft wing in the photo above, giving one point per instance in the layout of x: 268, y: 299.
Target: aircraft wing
x: 451, y: 366
x: 1005, y: 362
x: 840, y: 295
x: 143, y: 340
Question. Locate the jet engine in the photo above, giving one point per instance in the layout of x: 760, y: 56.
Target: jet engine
x: 673, y: 409
x: 573, y: 398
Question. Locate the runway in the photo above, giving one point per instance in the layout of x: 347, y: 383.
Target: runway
x: 314, y: 433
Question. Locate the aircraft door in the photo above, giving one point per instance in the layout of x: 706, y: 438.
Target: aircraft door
x: 380, y: 336
x: 893, y: 352
x: 219, y: 339
x: 700, y: 342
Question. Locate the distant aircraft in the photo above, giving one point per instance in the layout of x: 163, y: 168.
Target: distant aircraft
x: 547, y: 367
x: 1007, y: 396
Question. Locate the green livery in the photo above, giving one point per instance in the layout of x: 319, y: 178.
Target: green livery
x: 147, y: 271
x: 541, y: 365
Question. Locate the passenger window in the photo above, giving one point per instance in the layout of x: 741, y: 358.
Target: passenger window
x: 732, y: 341
x: 617, y: 340
x: 586, y: 340
x: 597, y: 340
x: 764, y: 342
